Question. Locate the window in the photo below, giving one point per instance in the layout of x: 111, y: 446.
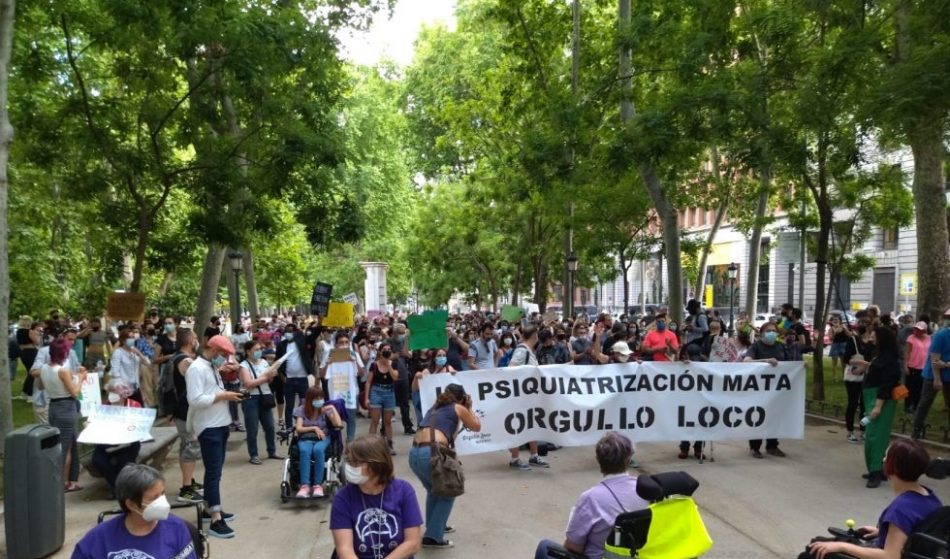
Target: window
x: 889, y: 238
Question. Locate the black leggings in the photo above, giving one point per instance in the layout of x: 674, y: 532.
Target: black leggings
x: 855, y: 403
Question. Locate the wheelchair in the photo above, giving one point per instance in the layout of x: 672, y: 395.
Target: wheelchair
x: 670, y: 528
x: 931, y: 540
x: 334, y: 472
x: 198, y: 536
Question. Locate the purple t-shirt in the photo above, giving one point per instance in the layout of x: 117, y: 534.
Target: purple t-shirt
x: 592, y: 517
x: 906, y: 511
x: 170, y: 539
x: 320, y: 421
x: 375, y: 526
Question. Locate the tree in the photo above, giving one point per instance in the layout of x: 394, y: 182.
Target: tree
x: 7, y: 15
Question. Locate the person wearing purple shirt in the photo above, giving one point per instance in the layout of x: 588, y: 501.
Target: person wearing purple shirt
x: 592, y: 517
x: 145, y: 530
x: 375, y: 515
x: 905, y: 461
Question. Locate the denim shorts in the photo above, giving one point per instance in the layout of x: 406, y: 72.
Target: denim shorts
x: 382, y: 397
x: 838, y: 349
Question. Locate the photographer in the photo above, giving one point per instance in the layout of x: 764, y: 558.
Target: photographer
x: 210, y: 419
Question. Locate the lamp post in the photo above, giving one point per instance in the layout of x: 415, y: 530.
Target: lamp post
x: 237, y: 266
x: 569, y: 288
x: 731, y: 273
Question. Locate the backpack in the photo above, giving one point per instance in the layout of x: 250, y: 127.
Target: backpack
x: 168, y: 396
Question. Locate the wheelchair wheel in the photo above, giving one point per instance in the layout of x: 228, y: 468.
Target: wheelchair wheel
x: 284, y: 492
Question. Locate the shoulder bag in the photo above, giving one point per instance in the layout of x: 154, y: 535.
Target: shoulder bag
x: 268, y: 401
x: 448, y: 477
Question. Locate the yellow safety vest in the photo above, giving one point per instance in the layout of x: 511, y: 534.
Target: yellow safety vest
x: 676, y: 531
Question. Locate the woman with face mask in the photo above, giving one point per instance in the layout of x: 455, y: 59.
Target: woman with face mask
x: 376, y: 515
x: 439, y: 364
x: 127, y: 360
x: 256, y: 375
x: 110, y: 459
x: 380, y: 395
x: 145, y: 528
x: 768, y: 350
x: 313, y: 421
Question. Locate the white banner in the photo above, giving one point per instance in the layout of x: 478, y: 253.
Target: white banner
x: 573, y: 405
x: 114, y: 425
x: 90, y: 395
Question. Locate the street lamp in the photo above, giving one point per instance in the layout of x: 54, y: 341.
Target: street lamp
x: 237, y: 265
x: 731, y: 272
x: 569, y: 288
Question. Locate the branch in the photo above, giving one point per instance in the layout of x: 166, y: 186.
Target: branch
x: 193, y: 87
x: 533, y: 47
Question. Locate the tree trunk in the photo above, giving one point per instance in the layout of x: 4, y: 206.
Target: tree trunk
x: 755, y: 241
x: 625, y: 267
x: 7, y: 12
x: 825, y: 223
x: 707, y: 246
x: 141, y: 243
x: 930, y: 205
x: 250, y: 281
x: 517, y: 284
x: 234, y: 293
x: 166, y: 283
x: 210, y: 278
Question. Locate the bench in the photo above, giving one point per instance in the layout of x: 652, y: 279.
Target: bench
x: 152, y: 453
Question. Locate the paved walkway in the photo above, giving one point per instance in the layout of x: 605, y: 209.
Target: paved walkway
x: 753, y: 508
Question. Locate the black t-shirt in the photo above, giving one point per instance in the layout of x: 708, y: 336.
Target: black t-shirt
x: 212, y: 331
x: 380, y: 378
x: 168, y: 345
x: 761, y: 350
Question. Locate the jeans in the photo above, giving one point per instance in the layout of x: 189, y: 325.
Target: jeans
x: 541, y: 552
x: 315, y: 450
x: 927, y: 395
x: 214, y: 446
x: 417, y: 403
x: 382, y: 397
x: 293, y: 387
x: 350, y: 424
x: 233, y: 406
x: 855, y: 403
x: 254, y: 414
x: 109, y: 464
x: 438, y: 508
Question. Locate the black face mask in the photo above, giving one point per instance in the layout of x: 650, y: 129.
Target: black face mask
x: 387, y: 354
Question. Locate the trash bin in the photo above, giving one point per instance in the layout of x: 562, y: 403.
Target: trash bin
x: 34, y: 506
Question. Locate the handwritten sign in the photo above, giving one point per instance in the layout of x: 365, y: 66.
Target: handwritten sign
x: 118, y: 425
x: 342, y: 382
x: 125, y: 306
x: 90, y: 395
x: 340, y: 315
x: 320, y: 300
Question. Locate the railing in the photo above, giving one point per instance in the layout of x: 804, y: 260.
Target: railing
x: 902, y: 423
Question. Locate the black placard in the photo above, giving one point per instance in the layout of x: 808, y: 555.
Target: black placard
x: 320, y: 301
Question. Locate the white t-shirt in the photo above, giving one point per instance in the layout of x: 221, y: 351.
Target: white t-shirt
x: 483, y: 353
x: 203, y: 384
x: 256, y: 370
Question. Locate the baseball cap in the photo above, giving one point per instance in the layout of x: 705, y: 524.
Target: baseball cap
x: 220, y: 343
x: 920, y: 326
x: 621, y: 348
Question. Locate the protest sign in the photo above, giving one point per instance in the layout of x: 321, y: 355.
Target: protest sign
x: 339, y: 355
x: 320, y: 300
x: 427, y: 330
x: 118, y: 425
x: 511, y: 313
x: 341, y: 381
x: 351, y: 298
x: 574, y: 405
x: 90, y: 394
x: 125, y: 306
x: 339, y: 315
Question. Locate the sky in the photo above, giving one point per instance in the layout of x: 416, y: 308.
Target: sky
x: 394, y: 37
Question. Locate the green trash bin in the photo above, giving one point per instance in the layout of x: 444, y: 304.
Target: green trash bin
x: 34, y: 505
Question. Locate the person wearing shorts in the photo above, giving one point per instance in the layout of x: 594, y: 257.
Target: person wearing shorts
x: 381, y: 394
x: 189, y: 451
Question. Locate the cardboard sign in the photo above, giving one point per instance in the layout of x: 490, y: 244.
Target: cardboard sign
x: 427, y: 330
x: 320, y: 300
x: 118, y: 425
x: 339, y: 355
x: 90, y: 395
x: 351, y: 298
x: 339, y: 315
x: 125, y: 306
x: 511, y: 313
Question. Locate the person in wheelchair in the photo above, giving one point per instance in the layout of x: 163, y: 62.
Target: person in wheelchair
x: 145, y: 529
x: 904, y: 462
x: 592, y: 518
x: 312, y: 423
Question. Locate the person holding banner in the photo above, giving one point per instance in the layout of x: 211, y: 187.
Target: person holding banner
x: 661, y: 343
x: 524, y: 355
x: 441, y: 423
x: 592, y: 518
x: 767, y: 350
x: 62, y: 390
x: 110, y: 459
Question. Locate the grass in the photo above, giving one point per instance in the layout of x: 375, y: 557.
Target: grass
x: 836, y: 399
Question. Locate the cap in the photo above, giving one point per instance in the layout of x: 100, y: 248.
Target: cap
x: 220, y: 343
x: 921, y: 326
x: 621, y: 348
x: 457, y: 390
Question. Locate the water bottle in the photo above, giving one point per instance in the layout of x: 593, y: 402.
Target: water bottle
x: 865, y: 420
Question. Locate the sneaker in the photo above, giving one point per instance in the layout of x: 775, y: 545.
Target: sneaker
x: 518, y: 465
x: 775, y: 452
x: 239, y: 427
x: 226, y: 516
x: 220, y: 529
x: 755, y: 453
x: 433, y: 543
x: 852, y: 439
x: 317, y: 491
x: 304, y: 492
x: 195, y: 486
x: 256, y: 461
x: 538, y: 462
x: 874, y: 481
x: 449, y: 529
x: 188, y: 495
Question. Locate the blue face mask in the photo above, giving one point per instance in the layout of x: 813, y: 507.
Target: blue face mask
x: 661, y: 325
x: 218, y: 360
x: 257, y: 355
x: 317, y: 404
x: 770, y: 337
x: 441, y: 360
x: 169, y: 328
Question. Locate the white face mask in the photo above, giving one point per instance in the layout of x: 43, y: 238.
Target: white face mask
x: 355, y: 475
x: 114, y: 398
x: 623, y: 358
x: 157, y: 510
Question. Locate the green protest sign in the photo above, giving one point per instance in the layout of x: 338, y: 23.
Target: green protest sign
x: 427, y: 330
x: 511, y: 313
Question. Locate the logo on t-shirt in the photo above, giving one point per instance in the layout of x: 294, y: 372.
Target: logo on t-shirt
x: 129, y: 554
x: 377, y: 528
